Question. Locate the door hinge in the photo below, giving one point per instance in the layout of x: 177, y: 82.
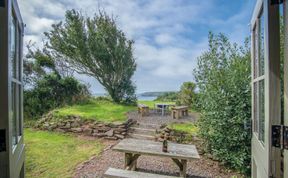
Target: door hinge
x: 276, y: 2
x: 280, y: 136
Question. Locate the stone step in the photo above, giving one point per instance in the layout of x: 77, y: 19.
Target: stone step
x: 142, y: 131
x: 140, y: 136
x: 147, y: 126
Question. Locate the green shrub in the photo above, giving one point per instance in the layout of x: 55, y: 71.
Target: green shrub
x: 168, y: 96
x: 50, y: 92
x: 223, y: 79
x: 186, y: 96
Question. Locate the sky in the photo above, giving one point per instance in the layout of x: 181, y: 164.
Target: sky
x: 169, y: 35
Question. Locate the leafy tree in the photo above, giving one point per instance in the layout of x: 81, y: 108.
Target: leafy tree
x: 223, y: 79
x: 167, y: 96
x: 45, y: 87
x: 98, y: 48
x: 187, y: 94
x: 51, y: 92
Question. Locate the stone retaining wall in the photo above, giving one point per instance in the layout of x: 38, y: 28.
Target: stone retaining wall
x: 171, y: 135
x: 77, y: 125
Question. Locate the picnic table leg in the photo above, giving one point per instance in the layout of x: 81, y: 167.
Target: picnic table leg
x: 131, y: 161
x: 182, y: 166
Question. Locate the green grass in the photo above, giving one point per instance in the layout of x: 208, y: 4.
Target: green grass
x: 99, y: 110
x: 188, y: 128
x: 151, y: 103
x: 51, y: 154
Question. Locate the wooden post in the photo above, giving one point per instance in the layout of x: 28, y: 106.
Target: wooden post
x: 184, y: 168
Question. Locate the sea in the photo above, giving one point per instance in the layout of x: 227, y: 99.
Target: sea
x: 140, y: 97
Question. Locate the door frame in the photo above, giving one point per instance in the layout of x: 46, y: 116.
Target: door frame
x: 285, y: 78
x: 12, y: 157
x: 265, y: 158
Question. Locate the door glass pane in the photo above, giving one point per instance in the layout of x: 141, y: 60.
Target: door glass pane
x: 13, y: 48
x: 20, y: 112
x: 14, y: 113
x: 255, y: 52
x: 19, y: 55
x: 261, y: 110
x: 261, y: 44
x: 255, y: 108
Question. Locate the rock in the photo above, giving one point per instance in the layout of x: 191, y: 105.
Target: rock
x: 67, y: 126
x: 102, y: 129
x: 100, y: 125
x: 95, y: 131
x: 120, y: 130
x: 111, y: 138
x: 75, y: 124
x: 167, y: 129
x: 119, y: 136
x: 87, y: 131
x: 124, y: 133
x: 98, y: 135
x: 110, y: 133
x: 46, y: 125
x: 76, y: 130
x: 60, y: 130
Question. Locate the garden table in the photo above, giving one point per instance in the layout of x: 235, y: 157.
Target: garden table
x: 179, y: 153
x: 162, y: 106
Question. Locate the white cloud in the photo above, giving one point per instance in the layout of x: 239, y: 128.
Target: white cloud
x: 168, y: 34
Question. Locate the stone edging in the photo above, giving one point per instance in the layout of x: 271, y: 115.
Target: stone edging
x: 75, y: 124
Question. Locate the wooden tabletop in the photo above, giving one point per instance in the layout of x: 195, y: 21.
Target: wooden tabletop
x: 147, y: 147
x: 180, y: 107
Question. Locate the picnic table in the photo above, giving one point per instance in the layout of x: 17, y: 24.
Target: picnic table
x: 179, y: 153
x: 162, y: 106
x: 179, y: 111
x: 143, y: 109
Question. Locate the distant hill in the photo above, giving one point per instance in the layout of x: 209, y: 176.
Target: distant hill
x: 154, y: 93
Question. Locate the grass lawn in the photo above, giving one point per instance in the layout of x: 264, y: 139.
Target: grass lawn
x: 100, y: 110
x: 50, y: 154
x: 188, y: 128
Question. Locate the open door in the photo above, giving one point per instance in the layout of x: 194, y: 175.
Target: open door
x: 266, y: 103
x: 285, y: 133
x: 11, y: 95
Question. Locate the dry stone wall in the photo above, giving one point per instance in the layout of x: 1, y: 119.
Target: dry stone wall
x: 75, y: 124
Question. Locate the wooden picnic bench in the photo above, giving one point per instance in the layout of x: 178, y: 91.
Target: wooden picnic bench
x: 179, y: 153
x: 120, y: 173
x: 143, y: 109
x: 179, y: 111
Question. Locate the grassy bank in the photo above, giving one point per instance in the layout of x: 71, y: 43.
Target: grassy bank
x: 50, y: 154
x: 188, y: 128
x: 99, y: 110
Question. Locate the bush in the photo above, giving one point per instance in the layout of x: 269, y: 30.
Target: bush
x: 223, y: 79
x: 52, y: 91
x: 187, y: 94
x: 168, y: 96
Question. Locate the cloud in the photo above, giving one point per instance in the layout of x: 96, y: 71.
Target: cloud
x: 169, y: 35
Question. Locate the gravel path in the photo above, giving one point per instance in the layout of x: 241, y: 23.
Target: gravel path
x: 203, y: 167
x: 96, y: 166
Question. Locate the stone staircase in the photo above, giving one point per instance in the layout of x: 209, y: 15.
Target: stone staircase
x: 143, y: 131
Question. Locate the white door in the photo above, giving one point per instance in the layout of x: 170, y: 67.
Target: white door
x: 11, y: 86
x: 285, y: 153
x: 265, y: 58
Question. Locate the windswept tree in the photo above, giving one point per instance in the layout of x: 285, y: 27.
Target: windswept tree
x: 187, y: 94
x: 98, y: 48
